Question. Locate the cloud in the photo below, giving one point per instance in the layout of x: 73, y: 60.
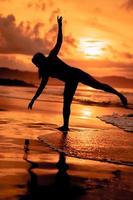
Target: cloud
x: 24, y: 38
x: 54, y: 14
x: 127, y: 55
x: 51, y: 34
x: 38, y: 5
x: 123, y: 55
x: 68, y: 41
x: 96, y: 23
x: 128, y: 5
x: 15, y: 63
x: 103, y: 67
x: 21, y: 39
x: 122, y: 68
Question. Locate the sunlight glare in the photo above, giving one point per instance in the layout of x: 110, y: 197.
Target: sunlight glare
x: 86, y: 113
x: 92, y: 48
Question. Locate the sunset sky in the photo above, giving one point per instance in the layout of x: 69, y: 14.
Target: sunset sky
x: 98, y: 34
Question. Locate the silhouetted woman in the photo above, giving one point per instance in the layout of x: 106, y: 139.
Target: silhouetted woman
x: 52, y: 66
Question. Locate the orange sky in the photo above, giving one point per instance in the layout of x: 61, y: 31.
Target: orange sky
x: 98, y: 34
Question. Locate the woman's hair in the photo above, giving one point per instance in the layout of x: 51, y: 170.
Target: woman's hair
x: 38, y: 60
x: 40, y: 73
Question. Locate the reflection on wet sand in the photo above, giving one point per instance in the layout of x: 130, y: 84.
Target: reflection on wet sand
x: 61, y: 187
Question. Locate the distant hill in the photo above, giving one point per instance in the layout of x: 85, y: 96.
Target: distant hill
x: 32, y: 78
x: 27, y: 76
x: 15, y: 82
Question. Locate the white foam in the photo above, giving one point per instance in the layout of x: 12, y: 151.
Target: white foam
x: 124, y: 122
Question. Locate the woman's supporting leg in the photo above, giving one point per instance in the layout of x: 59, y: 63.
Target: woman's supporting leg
x: 92, y: 82
x: 69, y: 91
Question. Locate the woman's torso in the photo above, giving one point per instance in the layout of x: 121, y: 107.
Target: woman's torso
x: 56, y: 68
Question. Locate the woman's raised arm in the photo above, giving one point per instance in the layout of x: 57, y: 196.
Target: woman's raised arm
x: 57, y: 47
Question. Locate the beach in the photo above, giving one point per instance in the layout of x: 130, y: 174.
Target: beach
x: 94, y: 160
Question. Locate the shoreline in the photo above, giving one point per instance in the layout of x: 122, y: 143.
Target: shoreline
x: 32, y: 170
x: 58, y: 150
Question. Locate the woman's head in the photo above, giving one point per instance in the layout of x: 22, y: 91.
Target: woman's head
x: 38, y: 59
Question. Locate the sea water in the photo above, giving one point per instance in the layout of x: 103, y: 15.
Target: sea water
x: 83, y: 95
x: 89, y: 142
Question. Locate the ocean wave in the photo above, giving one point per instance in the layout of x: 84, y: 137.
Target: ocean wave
x: 124, y: 122
x: 98, y: 103
x: 101, y: 103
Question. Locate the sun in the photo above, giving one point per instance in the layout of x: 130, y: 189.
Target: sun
x: 92, y: 48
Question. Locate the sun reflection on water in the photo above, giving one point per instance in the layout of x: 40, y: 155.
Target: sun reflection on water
x: 86, y: 113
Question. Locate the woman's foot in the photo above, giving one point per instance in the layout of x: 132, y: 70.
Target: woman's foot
x: 63, y: 128
x: 123, y: 100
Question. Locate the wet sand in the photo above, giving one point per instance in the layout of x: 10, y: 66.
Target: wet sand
x: 30, y: 169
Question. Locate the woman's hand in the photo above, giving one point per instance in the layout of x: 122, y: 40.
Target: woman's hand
x: 30, y: 105
x: 59, y: 20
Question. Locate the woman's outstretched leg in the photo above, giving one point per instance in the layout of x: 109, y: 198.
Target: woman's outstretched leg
x: 69, y: 91
x: 92, y: 82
